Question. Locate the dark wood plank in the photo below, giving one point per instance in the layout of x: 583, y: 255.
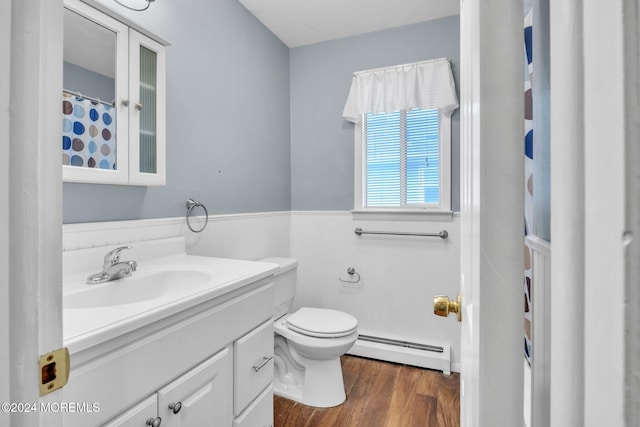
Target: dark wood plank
x: 449, y: 401
x: 351, y: 368
x: 381, y: 394
x: 354, y: 408
x: 422, y: 411
x: 403, y: 390
x: 287, y: 413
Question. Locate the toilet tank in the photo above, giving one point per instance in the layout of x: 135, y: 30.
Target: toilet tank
x: 284, y: 284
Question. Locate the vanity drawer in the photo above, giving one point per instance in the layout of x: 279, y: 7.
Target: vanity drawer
x: 259, y: 413
x: 253, y: 365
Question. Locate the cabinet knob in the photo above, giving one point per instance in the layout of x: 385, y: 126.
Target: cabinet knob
x: 138, y: 106
x: 175, y: 407
x: 125, y: 102
x: 154, y: 422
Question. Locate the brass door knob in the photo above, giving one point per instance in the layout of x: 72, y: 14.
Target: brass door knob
x: 442, y: 306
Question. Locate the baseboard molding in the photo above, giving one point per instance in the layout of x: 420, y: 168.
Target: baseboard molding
x: 440, y: 361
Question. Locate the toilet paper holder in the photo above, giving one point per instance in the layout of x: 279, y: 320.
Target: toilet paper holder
x: 351, y: 272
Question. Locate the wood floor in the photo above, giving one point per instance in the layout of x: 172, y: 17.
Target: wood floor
x: 381, y: 394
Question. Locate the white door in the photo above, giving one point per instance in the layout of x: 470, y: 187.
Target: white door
x: 492, y: 214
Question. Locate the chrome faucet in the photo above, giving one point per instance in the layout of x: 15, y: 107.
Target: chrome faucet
x: 113, y: 268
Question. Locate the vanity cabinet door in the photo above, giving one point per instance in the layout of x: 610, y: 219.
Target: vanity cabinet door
x: 253, y: 367
x: 201, y: 397
x: 136, y: 416
x: 259, y: 413
x: 147, y: 152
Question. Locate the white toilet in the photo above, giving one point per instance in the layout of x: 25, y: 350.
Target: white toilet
x: 308, y: 344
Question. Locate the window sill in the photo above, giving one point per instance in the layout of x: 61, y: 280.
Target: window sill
x: 403, y: 215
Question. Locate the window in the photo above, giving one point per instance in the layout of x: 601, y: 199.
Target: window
x: 404, y: 161
x: 402, y: 117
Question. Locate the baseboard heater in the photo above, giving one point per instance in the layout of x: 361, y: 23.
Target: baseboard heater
x: 436, y: 357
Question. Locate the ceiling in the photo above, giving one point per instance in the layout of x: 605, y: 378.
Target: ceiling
x: 302, y: 22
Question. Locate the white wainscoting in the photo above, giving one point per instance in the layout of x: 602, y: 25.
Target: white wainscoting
x: 399, y: 275
x: 540, y: 385
x: 242, y: 236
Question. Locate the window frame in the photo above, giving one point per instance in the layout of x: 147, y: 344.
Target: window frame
x: 441, y: 211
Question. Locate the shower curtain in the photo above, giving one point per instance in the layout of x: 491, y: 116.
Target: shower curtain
x: 528, y: 178
x: 88, y: 133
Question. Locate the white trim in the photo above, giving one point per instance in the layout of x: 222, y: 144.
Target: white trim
x: 405, y: 355
x: 539, y: 245
x: 567, y: 214
x: 445, y: 162
x: 631, y: 18
x: 403, y: 215
x: 540, y: 381
x: 606, y: 68
x: 337, y: 213
x: 34, y: 201
x: 90, y: 234
x: 153, y: 222
x: 115, y: 15
x: 388, y: 215
x: 5, y: 223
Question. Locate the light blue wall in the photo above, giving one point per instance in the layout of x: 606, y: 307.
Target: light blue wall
x: 228, y: 131
x: 87, y: 82
x: 322, y: 145
x: 251, y: 125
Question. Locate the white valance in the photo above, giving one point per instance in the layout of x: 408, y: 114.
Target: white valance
x: 424, y: 85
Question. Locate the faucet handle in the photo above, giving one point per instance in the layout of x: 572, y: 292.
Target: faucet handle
x: 113, y: 257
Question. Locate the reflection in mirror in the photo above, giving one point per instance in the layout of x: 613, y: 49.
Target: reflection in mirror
x: 89, y: 119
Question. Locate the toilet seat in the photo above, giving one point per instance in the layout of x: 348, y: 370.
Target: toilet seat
x: 322, y: 323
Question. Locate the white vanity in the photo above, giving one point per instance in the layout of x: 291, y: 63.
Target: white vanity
x: 185, y: 341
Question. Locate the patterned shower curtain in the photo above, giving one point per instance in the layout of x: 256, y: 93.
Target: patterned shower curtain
x: 528, y: 177
x: 88, y: 133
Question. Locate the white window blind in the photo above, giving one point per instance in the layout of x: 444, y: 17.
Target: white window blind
x: 402, y: 159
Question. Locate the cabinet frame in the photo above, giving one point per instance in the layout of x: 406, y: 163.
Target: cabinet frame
x: 127, y: 88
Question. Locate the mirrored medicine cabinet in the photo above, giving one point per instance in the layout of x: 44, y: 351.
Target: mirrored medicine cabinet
x: 113, y: 100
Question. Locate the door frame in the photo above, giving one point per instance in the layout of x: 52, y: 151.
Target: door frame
x: 595, y: 333
x: 31, y: 194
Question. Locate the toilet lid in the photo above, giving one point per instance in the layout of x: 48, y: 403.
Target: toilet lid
x: 322, y: 322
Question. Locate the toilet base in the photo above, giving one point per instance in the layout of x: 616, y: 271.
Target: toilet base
x: 321, y: 387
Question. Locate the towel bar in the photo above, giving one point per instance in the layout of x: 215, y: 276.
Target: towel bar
x: 442, y: 234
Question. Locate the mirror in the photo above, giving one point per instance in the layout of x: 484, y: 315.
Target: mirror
x: 89, y: 82
x: 113, y: 102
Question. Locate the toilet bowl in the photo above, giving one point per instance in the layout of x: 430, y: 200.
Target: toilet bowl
x: 308, y: 344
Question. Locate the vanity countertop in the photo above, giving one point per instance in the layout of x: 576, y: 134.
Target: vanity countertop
x: 98, y: 322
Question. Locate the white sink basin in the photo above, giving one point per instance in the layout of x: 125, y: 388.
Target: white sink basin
x: 142, y: 286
